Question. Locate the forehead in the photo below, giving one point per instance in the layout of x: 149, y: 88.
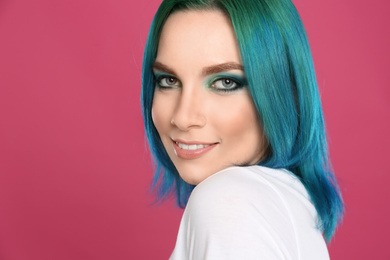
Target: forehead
x: 198, y: 38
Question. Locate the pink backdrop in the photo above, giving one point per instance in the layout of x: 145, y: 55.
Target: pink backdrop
x: 74, y: 171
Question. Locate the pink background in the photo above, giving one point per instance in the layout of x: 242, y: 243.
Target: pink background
x: 74, y: 170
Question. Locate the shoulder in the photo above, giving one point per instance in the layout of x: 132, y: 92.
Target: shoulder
x: 241, y: 196
x: 247, y: 213
x: 243, y: 186
x: 251, y: 174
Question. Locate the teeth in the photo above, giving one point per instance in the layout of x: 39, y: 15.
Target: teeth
x: 192, y: 146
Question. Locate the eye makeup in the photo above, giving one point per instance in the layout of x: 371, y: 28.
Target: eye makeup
x: 165, y: 81
x: 238, y: 82
x: 221, y: 82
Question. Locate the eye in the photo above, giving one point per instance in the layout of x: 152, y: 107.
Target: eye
x: 225, y: 84
x: 167, y: 82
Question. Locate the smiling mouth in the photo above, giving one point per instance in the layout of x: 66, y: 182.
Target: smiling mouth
x: 191, y: 147
x: 191, y: 151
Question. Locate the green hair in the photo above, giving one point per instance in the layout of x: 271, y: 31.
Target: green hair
x: 281, y: 78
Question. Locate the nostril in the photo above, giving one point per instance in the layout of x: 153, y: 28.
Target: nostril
x: 189, y: 111
x: 186, y: 122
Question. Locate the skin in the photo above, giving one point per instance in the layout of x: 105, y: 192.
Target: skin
x: 198, y: 58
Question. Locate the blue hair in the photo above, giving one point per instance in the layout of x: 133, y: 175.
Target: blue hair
x: 280, y: 72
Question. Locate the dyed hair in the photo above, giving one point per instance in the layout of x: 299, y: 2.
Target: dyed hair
x: 279, y: 68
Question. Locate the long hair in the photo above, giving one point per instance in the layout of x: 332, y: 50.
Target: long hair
x: 281, y: 78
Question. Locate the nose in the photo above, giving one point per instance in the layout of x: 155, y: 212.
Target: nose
x: 189, y: 112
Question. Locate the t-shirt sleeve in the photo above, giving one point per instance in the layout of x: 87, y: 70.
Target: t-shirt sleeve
x: 236, y: 215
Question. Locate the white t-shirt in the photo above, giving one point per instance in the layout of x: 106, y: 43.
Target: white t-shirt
x: 250, y: 213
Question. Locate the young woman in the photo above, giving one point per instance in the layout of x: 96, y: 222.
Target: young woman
x: 234, y: 122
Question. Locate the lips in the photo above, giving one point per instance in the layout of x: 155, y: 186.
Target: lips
x: 192, y: 147
x: 191, y: 150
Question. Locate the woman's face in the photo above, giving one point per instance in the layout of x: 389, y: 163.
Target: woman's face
x: 202, y: 108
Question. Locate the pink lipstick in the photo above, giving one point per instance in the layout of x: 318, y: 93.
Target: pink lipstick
x: 191, y: 150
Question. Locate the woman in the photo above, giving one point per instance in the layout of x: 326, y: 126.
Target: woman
x: 233, y: 118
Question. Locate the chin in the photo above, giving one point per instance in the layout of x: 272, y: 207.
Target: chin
x: 194, y: 176
x: 193, y: 180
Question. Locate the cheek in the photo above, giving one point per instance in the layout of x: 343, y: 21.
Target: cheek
x: 240, y: 130
x: 160, y: 113
x: 237, y: 117
x: 163, y: 108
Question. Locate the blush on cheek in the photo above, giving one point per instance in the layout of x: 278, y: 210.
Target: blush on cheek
x: 158, y: 121
x: 159, y: 114
x: 241, y: 132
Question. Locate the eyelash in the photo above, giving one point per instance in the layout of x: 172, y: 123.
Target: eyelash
x: 158, y: 80
x: 238, y: 86
x: 227, y: 90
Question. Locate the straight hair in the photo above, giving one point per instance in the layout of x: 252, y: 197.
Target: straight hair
x: 279, y: 68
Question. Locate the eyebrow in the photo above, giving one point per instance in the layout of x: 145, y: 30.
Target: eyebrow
x: 221, y: 67
x: 159, y: 66
x: 205, y: 71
